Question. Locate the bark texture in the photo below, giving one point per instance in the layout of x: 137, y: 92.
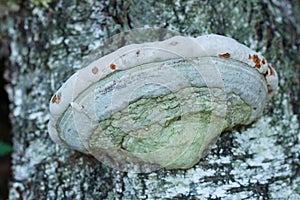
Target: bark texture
x: 48, y: 43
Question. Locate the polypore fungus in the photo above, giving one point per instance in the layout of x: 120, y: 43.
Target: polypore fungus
x: 161, y: 104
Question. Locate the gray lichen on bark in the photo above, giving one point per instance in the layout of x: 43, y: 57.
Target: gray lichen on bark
x: 49, y: 43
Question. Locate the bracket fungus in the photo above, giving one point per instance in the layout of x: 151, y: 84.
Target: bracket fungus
x: 161, y: 104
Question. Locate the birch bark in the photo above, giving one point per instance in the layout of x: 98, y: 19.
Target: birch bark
x: 48, y: 43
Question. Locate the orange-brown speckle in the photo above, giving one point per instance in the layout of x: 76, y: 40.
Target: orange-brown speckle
x: 56, y: 98
x: 263, y: 61
x: 271, y: 70
x: 224, y: 55
x: 256, y: 60
x: 173, y: 43
x: 95, y: 70
x: 112, y: 66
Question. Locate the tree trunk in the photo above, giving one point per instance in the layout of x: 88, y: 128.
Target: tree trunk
x: 48, y: 43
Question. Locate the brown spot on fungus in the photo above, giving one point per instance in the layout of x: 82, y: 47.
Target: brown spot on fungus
x: 271, y: 70
x: 95, y: 70
x: 249, y: 57
x: 56, y: 98
x: 256, y: 60
x: 263, y: 61
x: 224, y: 55
x: 138, y: 53
x: 173, y: 43
x: 112, y: 66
